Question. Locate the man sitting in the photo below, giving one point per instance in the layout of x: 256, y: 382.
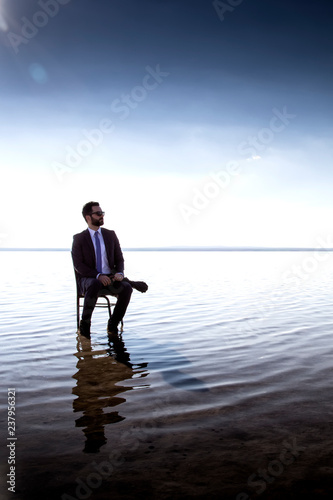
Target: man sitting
x: 99, y: 263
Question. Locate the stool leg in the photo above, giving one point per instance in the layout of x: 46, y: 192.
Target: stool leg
x: 109, y: 306
x: 78, y: 311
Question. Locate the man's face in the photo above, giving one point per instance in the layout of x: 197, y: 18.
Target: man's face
x: 96, y: 218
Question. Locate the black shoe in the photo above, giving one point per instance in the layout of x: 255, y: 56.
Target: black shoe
x: 85, y: 328
x: 112, y: 327
x: 141, y: 286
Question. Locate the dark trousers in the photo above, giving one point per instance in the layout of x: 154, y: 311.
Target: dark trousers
x: 92, y: 286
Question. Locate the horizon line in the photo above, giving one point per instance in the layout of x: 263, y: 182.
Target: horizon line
x: 194, y: 248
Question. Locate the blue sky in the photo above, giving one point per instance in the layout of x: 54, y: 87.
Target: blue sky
x: 191, y: 123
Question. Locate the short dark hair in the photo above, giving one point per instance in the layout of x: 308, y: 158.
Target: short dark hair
x: 87, y: 208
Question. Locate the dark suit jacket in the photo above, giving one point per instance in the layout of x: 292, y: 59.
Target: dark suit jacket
x: 83, y: 253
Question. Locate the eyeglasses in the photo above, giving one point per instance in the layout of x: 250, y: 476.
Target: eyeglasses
x: 99, y: 213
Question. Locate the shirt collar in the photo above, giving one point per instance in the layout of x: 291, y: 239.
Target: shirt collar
x: 92, y: 231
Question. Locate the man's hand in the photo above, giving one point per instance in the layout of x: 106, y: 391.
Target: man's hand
x: 118, y: 277
x: 104, y: 279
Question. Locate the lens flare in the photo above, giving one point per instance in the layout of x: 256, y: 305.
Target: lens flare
x: 3, y: 23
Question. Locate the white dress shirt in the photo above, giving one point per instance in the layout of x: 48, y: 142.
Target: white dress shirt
x: 105, y: 265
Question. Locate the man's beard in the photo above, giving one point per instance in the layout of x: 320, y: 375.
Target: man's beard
x: 99, y: 222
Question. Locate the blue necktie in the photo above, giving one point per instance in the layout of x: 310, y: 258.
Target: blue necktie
x: 98, y: 253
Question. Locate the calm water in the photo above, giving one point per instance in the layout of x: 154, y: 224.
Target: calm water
x: 225, y: 357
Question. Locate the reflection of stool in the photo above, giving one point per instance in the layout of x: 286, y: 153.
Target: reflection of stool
x: 102, y: 294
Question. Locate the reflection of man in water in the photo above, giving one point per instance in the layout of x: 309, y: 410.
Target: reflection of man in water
x: 99, y: 263
x: 97, y: 376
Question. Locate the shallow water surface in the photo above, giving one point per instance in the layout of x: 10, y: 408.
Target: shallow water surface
x: 227, y: 357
